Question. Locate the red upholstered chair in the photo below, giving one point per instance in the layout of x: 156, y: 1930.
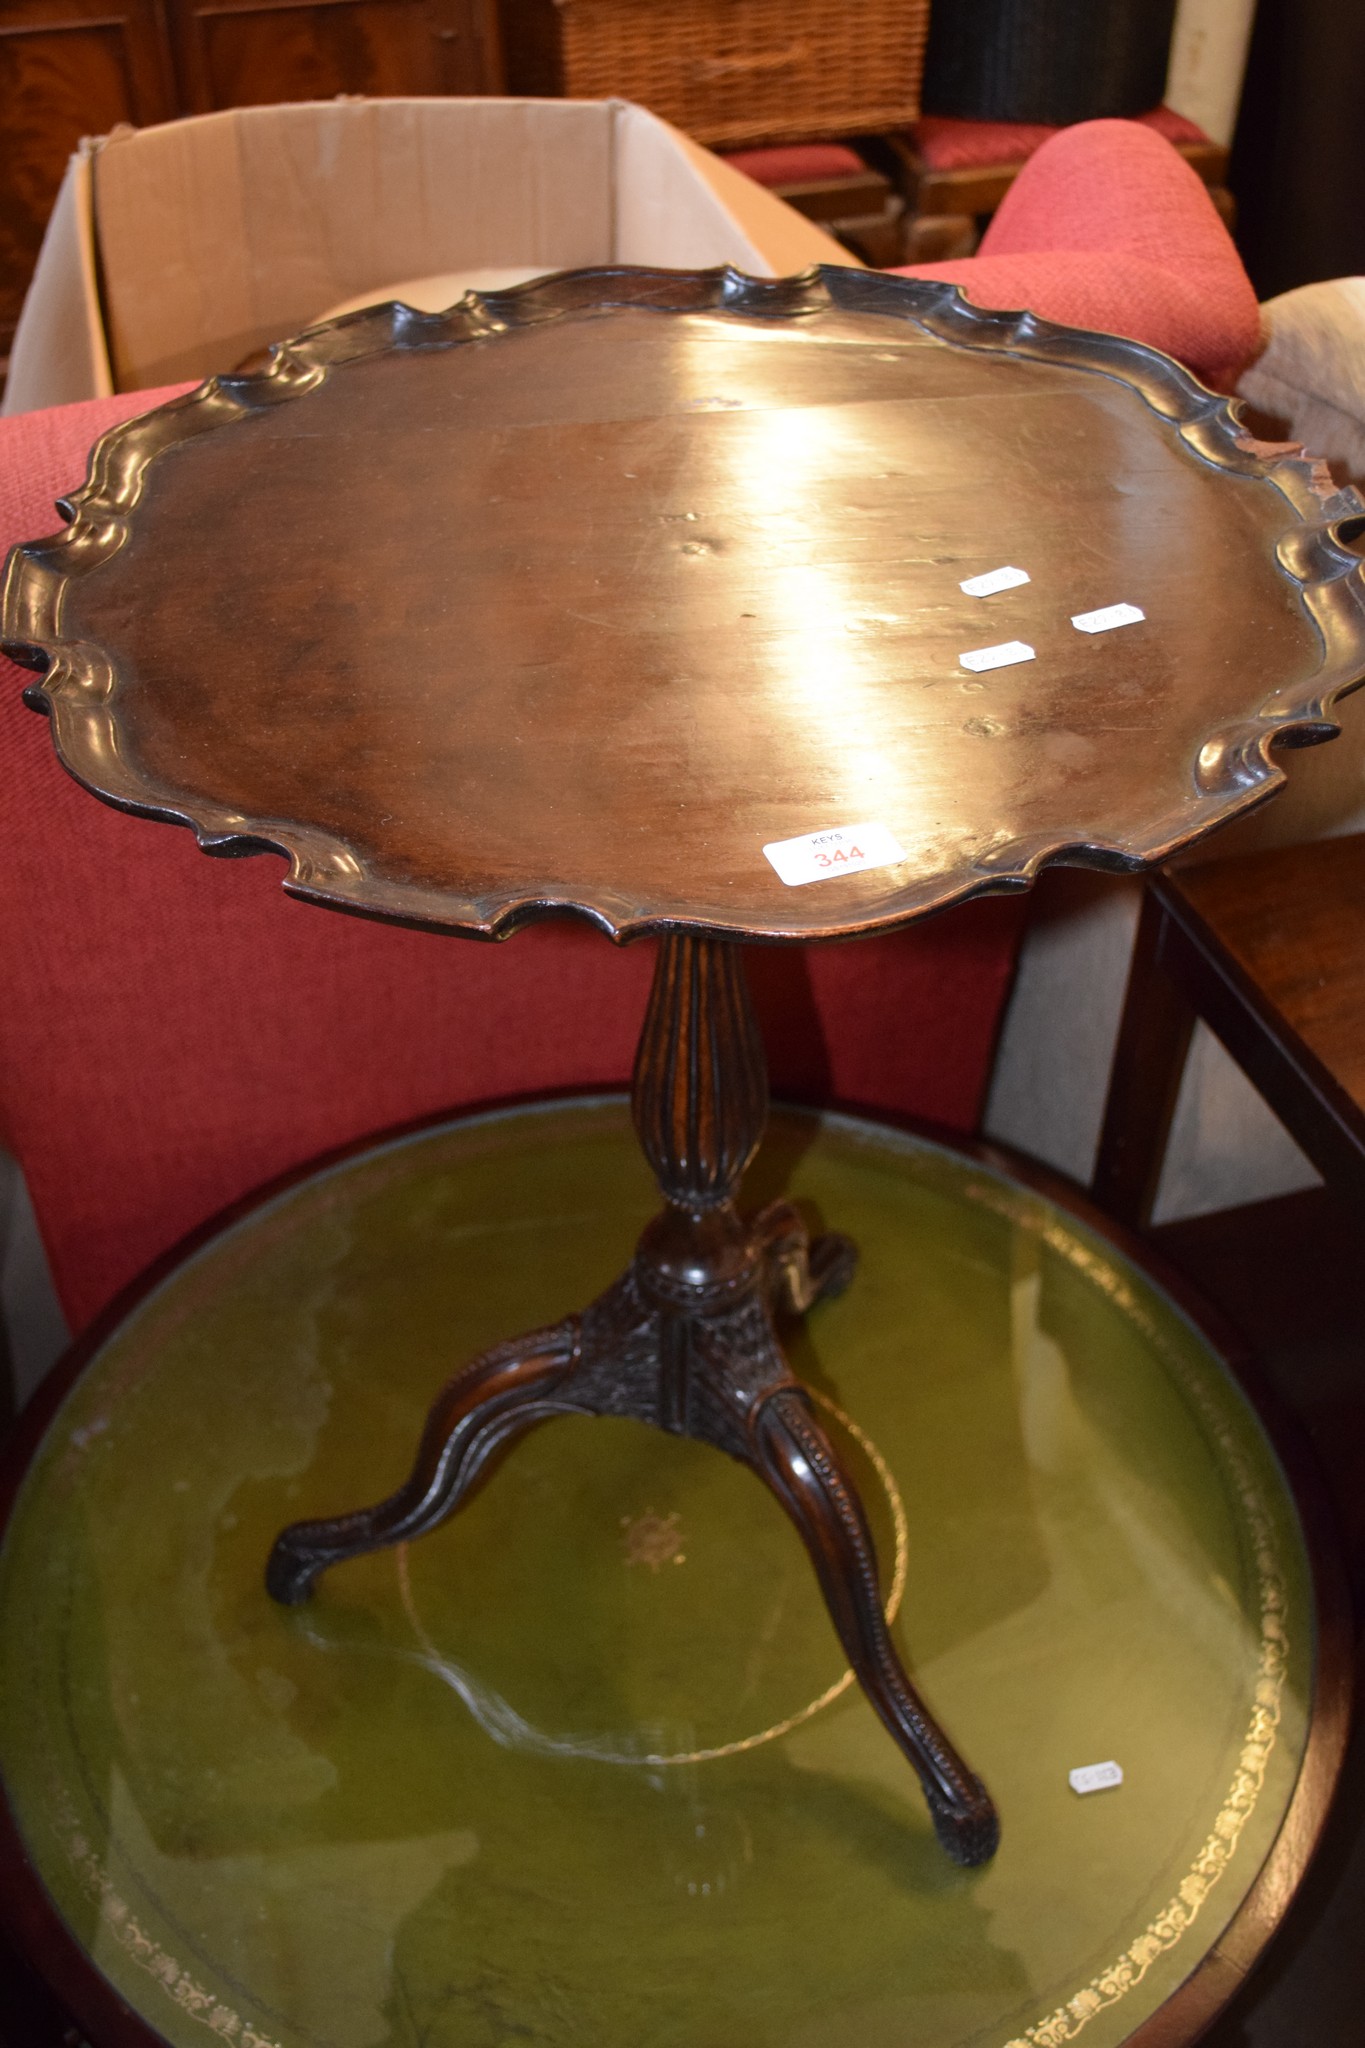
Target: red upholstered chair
x: 799, y: 163
x: 175, y: 1030
x: 957, y: 171
x: 946, y: 143
x: 1107, y: 226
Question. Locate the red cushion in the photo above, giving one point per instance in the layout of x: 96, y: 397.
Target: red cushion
x: 1107, y: 226
x: 798, y: 164
x: 948, y: 145
x: 175, y: 1030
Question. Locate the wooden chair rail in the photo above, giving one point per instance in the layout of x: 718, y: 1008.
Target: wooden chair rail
x: 1269, y: 951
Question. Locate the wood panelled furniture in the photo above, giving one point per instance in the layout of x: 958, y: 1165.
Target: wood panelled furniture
x: 67, y: 68
x: 70, y: 68
x: 1269, y: 950
x: 243, y: 53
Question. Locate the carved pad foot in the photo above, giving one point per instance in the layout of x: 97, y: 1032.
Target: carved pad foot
x: 800, y: 1270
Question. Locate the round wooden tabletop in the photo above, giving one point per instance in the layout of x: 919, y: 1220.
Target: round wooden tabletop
x: 652, y: 595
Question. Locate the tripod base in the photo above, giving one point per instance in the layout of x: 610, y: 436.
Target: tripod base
x: 722, y: 1379
x: 685, y: 1340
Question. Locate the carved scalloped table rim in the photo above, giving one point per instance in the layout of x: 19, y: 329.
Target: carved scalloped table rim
x: 1234, y: 769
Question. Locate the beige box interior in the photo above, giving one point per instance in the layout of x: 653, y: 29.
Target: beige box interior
x: 175, y: 251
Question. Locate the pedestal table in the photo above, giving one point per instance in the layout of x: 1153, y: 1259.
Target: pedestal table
x: 712, y: 610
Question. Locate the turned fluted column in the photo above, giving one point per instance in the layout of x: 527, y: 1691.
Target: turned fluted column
x: 700, y: 1092
x: 700, y: 1100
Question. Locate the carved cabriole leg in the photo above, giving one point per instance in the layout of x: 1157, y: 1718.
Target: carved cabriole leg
x: 685, y: 1339
x: 798, y: 1462
x: 494, y: 1400
x: 700, y: 1099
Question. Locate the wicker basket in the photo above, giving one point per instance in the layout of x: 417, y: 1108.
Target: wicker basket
x: 728, y: 72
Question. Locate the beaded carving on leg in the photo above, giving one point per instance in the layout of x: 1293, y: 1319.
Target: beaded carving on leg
x: 797, y: 1459
x: 494, y: 1400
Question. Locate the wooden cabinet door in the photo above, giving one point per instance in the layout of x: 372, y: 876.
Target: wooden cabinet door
x: 239, y: 53
x: 68, y: 68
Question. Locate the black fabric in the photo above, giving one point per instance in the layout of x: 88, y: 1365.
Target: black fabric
x: 1296, y: 155
x: 1055, y: 61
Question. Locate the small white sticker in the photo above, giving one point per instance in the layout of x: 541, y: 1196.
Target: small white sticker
x: 1110, y: 615
x: 993, y: 580
x: 1095, y: 1777
x: 840, y: 851
x: 1003, y: 656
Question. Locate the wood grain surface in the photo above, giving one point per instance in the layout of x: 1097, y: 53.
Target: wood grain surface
x: 1293, y: 919
x: 583, y: 594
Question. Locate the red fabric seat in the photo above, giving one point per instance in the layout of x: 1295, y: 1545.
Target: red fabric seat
x: 175, y: 1030
x: 798, y: 163
x: 945, y: 144
x: 1107, y: 226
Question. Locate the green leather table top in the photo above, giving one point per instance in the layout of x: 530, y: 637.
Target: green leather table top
x: 584, y: 1767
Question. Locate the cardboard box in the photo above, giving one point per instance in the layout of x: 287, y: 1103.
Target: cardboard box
x: 175, y: 251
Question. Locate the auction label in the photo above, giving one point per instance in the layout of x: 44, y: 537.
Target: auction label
x: 1095, y: 1777
x: 1109, y: 616
x: 842, y: 850
x: 1003, y: 656
x: 994, y: 580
